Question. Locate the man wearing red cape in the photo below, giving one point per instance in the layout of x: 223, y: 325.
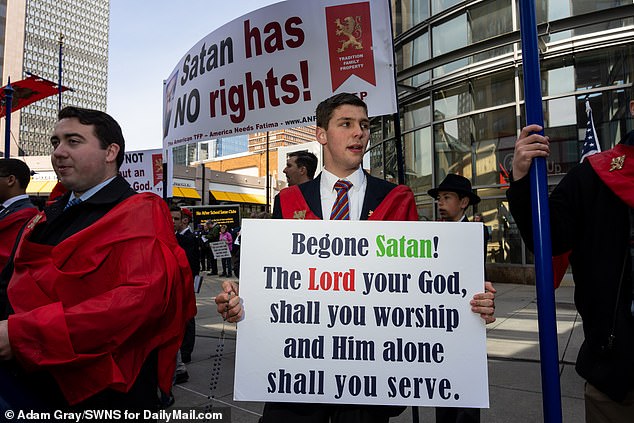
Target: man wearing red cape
x: 97, y: 301
x: 591, y: 217
x: 343, y: 130
x: 15, y: 207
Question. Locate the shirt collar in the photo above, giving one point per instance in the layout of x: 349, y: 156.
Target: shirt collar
x: 356, y: 178
x: 92, y: 191
x: 14, y: 199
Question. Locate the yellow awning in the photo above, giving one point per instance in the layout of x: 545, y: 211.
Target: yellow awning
x: 221, y: 195
x: 253, y: 198
x: 235, y: 197
x: 239, y: 197
x: 185, y: 192
x: 41, y: 187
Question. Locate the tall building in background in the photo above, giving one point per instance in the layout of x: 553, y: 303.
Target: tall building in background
x: 3, y: 26
x: 281, y: 138
x: 253, y: 143
x: 184, y: 155
x: 31, y: 30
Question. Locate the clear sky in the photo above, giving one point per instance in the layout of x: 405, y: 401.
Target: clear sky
x: 147, y: 39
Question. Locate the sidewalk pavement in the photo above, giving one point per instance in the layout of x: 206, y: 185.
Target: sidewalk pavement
x: 513, y: 359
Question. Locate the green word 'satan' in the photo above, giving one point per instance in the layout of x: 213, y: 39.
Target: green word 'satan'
x: 406, y: 247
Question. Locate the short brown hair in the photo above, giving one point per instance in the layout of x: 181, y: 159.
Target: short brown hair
x: 327, y: 107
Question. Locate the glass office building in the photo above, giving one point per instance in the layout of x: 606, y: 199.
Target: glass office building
x: 461, y: 100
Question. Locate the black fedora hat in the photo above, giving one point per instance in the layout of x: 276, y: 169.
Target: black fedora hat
x: 458, y: 184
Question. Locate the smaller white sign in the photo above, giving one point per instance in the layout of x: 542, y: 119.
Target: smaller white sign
x: 220, y: 249
x: 144, y: 170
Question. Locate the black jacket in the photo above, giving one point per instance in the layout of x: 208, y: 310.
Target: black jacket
x: 24, y: 203
x: 189, y: 243
x: 62, y: 224
x: 587, y: 218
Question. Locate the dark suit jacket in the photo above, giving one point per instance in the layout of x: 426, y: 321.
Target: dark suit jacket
x: 189, y: 243
x: 25, y: 203
x: 376, y: 191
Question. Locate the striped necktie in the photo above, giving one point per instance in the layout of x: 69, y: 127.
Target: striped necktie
x: 73, y: 202
x: 341, y: 209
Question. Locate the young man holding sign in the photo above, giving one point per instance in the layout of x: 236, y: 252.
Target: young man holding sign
x: 343, y: 191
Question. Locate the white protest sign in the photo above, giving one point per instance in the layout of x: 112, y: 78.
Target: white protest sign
x: 270, y: 68
x: 144, y: 170
x: 360, y: 312
x: 220, y: 249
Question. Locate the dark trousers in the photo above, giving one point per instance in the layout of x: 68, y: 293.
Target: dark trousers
x: 226, y: 266
x: 205, y: 259
x: 212, y: 263
x: 189, y: 339
x: 39, y: 391
x: 327, y: 413
x: 457, y: 415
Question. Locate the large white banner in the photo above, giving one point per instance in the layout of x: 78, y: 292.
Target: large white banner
x: 361, y: 313
x: 269, y: 69
x: 143, y: 169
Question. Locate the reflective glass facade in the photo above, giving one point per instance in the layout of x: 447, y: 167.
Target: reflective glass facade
x: 84, y: 25
x: 186, y: 154
x: 461, y: 100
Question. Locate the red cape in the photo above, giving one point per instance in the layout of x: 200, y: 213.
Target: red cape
x: 398, y: 205
x: 9, y: 228
x: 91, y: 309
x: 619, y: 180
x: 58, y: 191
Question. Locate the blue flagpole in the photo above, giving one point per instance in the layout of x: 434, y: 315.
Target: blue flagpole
x: 549, y: 354
x: 8, y: 100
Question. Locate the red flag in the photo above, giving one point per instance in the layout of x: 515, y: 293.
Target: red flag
x: 28, y: 91
x: 350, y: 43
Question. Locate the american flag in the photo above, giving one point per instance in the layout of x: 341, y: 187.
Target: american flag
x: 591, y: 144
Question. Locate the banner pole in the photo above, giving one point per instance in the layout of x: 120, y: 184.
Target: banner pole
x: 551, y: 390
x: 398, y: 142
x: 59, y: 79
x: 8, y: 100
x: 268, y: 182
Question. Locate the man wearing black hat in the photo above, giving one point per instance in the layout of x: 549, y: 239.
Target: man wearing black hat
x: 454, y: 195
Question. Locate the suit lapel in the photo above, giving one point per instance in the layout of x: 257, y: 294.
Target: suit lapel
x: 15, y: 206
x: 371, y: 199
x: 312, y: 194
